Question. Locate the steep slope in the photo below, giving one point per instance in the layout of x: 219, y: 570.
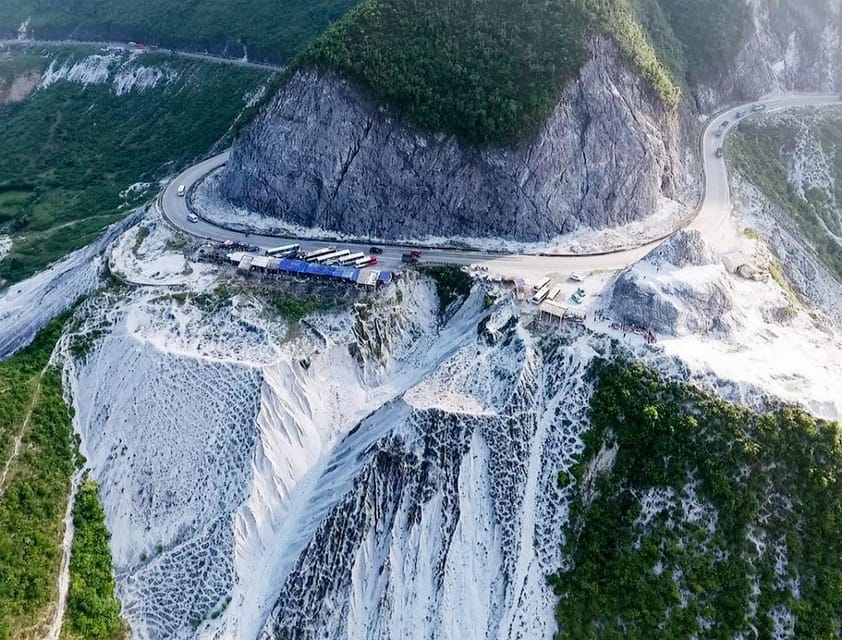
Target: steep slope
x: 324, y: 154
x: 432, y: 140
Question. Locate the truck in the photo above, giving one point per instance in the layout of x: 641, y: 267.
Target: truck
x: 286, y: 250
x: 409, y: 258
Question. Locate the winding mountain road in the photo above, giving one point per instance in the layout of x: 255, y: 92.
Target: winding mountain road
x: 710, y: 218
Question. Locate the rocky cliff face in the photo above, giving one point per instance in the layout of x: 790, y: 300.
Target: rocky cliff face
x: 324, y: 155
x: 791, y: 46
x: 677, y: 289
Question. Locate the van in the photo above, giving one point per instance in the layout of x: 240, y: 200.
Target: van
x: 192, y: 217
x: 182, y: 189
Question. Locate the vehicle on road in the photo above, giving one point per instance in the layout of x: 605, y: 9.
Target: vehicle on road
x: 718, y: 133
x: 332, y: 257
x: 182, y: 189
x: 415, y: 253
x: 741, y: 114
x: 719, y: 152
x: 286, y: 250
x: 192, y: 217
x: 725, y: 123
x: 575, y: 277
x: 376, y: 250
x: 351, y: 258
x: 758, y: 107
x: 367, y: 261
x: 318, y: 252
x: 409, y: 258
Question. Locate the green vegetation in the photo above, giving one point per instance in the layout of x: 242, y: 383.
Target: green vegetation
x: 452, y: 284
x: 93, y: 612
x: 293, y: 308
x: 710, y: 33
x: 14, y: 64
x: 486, y: 71
x: 273, y: 31
x: 761, y: 152
x: 70, y: 150
x: 773, y: 476
x: 491, y: 72
x: 34, y: 497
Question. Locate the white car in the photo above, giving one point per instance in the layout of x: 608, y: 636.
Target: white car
x: 182, y: 189
x: 575, y: 277
x: 192, y: 217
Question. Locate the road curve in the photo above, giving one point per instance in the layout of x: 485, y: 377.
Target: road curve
x: 206, y: 57
x: 710, y: 218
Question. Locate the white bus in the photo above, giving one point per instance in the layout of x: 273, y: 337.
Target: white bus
x: 330, y: 258
x: 350, y: 259
x: 365, y: 262
x: 319, y: 252
x: 543, y: 283
x: 286, y: 250
x: 541, y: 294
x: 553, y: 294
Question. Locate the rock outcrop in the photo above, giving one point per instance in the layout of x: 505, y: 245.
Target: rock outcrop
x: 677, y: 289
x: 793, y: 46
x: 323, y: 154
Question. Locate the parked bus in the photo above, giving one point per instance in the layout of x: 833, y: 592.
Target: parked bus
x: 330, y: 258
x: 352, y: 258
x: 319, y: 252
x: 365, y: 262
x: 287, y: 249
x: 543, y: 283
x: 541, y: 294
x: 553, y: 294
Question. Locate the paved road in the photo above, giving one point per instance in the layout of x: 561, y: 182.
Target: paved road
x: 207, y: 57
x: 710, y: 219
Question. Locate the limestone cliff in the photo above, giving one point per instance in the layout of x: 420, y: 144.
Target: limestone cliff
x: 323, y: 154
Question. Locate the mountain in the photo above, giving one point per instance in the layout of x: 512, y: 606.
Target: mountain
x: 394, y: 125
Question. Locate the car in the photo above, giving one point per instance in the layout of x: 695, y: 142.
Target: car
x: 725, y: 123
x: 182, y: 189
x: 575, y: 277
x: 192, y: 217
x: 758, y: 107
x: 718, y: 133
x: 740, y: 114
x: 375, y: 250
x: 719, y: 152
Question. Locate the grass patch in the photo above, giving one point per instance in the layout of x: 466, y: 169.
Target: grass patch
x: 452, y: 284
x: 774, y: 476
x: 35, y: 496
x: 761, y: 152
x: 70, y: 150
x: 93, y: 612
x: 292, y: 308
